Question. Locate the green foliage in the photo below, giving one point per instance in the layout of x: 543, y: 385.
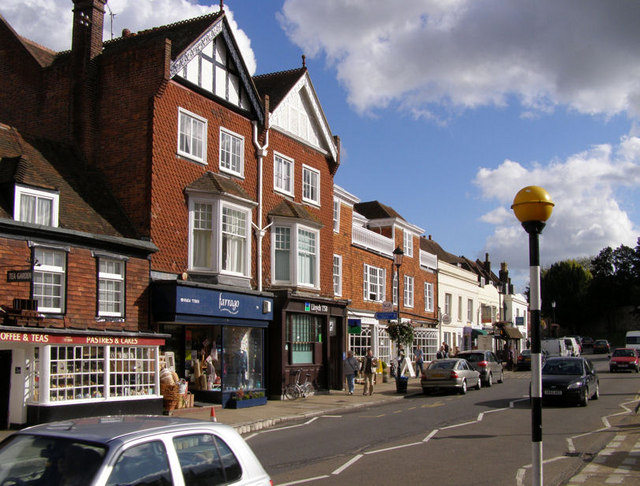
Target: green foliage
x: 400, y: 332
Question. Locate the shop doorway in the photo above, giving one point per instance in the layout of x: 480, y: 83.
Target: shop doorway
x: 5, y: 384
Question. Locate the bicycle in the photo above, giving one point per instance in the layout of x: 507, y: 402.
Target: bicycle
x: 297, y: 389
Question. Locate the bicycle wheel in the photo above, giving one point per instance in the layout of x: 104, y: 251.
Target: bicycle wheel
x: 291, y: 392
x: 307, y: 389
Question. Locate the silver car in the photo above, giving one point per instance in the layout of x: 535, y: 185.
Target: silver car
x: 452, y: 373
x: 486, y: 363
x: 109, y: 451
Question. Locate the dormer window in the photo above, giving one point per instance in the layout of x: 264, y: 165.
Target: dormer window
x: 37, y: 206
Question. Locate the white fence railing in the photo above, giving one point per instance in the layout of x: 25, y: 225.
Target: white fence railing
x: 371, y: 241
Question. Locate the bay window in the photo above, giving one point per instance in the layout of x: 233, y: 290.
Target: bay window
x: 295, y: 255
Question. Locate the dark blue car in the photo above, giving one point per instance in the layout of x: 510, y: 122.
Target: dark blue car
x: 569, y: 380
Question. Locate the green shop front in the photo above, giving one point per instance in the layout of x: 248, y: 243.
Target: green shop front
x: 217, y: 337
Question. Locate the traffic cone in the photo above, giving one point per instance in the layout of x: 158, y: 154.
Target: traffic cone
x: 213, y: 415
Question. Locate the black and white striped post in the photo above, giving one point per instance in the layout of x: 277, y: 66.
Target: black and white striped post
x: 532, y: 206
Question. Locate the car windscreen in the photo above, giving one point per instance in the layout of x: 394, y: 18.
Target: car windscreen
x: 27, y: 459
x: 562, y: 367
x: 628, y: 353
x: 473, y: 357
x: 441, y: 365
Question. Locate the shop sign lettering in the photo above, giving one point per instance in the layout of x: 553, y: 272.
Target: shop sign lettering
x: 19, y: 276
x: 21, y: 337
x: 24, y: 337
x: 228, y: 305
x: 311, y: 307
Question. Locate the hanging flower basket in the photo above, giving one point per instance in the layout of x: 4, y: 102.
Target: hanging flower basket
x: 400, y: 332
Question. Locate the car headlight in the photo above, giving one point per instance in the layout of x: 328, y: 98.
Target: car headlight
x: 575, y: 384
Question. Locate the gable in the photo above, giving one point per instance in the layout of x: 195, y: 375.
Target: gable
x: 299, y: 114
x: 213, y: 63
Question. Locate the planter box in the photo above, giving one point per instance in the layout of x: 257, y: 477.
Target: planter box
x: 250, y: 402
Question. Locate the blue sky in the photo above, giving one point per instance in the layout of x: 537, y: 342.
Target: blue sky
x: 446, y: 108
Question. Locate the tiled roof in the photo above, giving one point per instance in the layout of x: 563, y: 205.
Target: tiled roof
x: 182, y: 34
x: 86, y: 204
x: 41, y: 54
x: 213, y: 183
x: 277, y: 85
x: 290, y: 209
x: 430, y: 246
x: 376, y: 210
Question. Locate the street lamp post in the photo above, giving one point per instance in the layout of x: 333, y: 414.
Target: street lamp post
x: 397, y: 261
x: 553, y: 306
x: 532, y: 206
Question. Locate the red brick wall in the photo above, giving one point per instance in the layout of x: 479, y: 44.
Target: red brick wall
x: 81, y: 288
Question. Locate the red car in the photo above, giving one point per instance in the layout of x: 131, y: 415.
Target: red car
x: 624, y: 359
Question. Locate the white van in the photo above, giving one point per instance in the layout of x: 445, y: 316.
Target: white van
x: 573, y: 348
x: 632, y: 340
x: 555, y: 347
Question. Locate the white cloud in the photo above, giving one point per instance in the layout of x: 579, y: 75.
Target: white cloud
x: 48, y: 22
x: 424, y: 55
x: 587, y: 216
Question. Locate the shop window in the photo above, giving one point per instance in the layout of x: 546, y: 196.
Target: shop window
x: 76, y: 373
x: 111, y: 279
x: 49, y: 275
x: 303, y: 332
x: 132, y: 371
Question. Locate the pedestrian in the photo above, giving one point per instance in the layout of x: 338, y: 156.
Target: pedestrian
x: 440, y: 353
x: 368, y: 369
x: 350, y: 371
x: 419, y: 357
x: 445, y: 348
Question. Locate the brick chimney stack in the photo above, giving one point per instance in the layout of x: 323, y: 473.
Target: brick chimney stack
x: 86, y: 45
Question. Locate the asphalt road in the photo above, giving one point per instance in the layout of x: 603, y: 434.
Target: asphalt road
x: 481, y: 438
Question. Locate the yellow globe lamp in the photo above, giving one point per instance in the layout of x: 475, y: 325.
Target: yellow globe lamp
x: 532, y: 203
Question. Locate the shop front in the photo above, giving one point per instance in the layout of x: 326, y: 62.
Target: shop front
x: 217, y: 337
x: 57, y: 374
x: 308, y: 341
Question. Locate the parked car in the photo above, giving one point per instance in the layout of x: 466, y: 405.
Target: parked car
x: 601, y: 346
x: 587, y: 342
x: 569, y: 380
x: 624, y: 359
x: 129, y: 450
x: 451, y: 373
x: 554, y: 347
x: 632, y: 339
x: 524, y: 359
x: 578, y: 342
x: 486, y: 363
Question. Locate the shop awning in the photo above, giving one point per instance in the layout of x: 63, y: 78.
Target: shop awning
x: 478, y: 332
x: 512, y: 332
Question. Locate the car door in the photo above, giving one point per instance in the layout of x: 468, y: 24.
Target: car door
x: 590, y: 377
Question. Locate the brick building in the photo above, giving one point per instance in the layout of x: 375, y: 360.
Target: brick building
x: 366, y: 235
x: 230, y: 176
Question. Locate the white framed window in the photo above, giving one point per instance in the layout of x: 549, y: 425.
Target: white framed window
x: 310, y: 185
x: 459, y: 308
x: 408, y: 291
x: 469, y: 310
x: 447, y: 304
x: 282, y: 174
x: 36, y: 206
x: 235, y: 232
x: 428, y: 297
x: 192, y: 136
x: 337, y: 275
x: 296, y: 255
x: 394, y: 289
x: 49, y: 277
x: 408, y: 243
x: 219, y: 237
x: 111, y: 280
x: 336, y: 216
x: 231, y: 153
x: 374, y: 283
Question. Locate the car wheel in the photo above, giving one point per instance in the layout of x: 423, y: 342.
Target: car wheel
x: 584, y: 400
x: 637, y: 369
x: 501, y: 379
x: 479, y: 385
x: 489, y: 381
x: 596, y: 394
x: 463, y: 388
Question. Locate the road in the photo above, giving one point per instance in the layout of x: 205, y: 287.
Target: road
x: 481, y: 438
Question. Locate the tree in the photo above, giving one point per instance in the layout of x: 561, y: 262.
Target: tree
x: 566, y: 283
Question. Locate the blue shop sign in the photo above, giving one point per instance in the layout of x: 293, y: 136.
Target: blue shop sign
x: 207, y: 302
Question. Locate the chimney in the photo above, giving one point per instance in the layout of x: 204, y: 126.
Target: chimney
x: 504, y: 273
x: 487, y: 263
x: 86, y: 45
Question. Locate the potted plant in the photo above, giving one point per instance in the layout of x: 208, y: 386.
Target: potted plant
x: 385, y: 372
x: 244, y: 399
x: 400, y: 333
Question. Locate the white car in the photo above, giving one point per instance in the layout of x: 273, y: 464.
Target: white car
x: 129, y: 450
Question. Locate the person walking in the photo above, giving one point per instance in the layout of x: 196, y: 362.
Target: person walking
x: 445, y: 348
x: 419, y: 357
x: 369, y: 368
x: 350, y: 371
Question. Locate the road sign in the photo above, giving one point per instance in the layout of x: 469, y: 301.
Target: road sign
x: 387, y: 306
x: 386, y: 316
